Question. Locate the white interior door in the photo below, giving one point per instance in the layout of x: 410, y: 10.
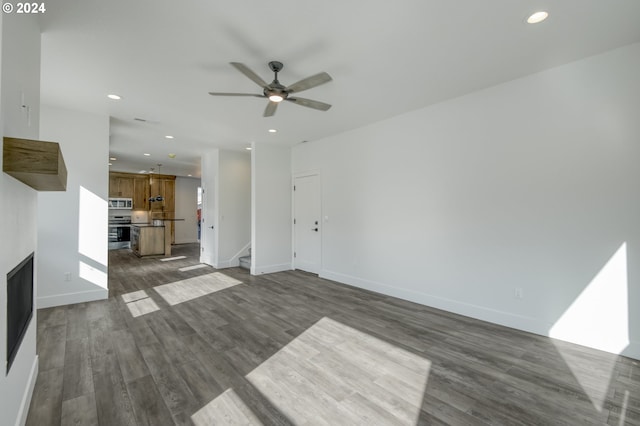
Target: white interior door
x: 207, y: 222
x: 307, y: 227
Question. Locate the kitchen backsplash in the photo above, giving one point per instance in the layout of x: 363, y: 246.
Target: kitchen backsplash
x: 139, y: 216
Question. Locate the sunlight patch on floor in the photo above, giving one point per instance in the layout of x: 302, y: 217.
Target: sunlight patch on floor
x: 192, y: 267
x: 192, y: 288
x: 340, y: 375
x: 227, y: 409
x: 139, y: 303
x: 168, y: 259
x: 331, y: 374
x: 597, y: 318
x: 135, y: 295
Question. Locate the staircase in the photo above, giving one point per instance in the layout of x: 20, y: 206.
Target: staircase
x: 245, y: 261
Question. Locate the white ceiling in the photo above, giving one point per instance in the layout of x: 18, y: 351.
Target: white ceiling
x: 385, y: 58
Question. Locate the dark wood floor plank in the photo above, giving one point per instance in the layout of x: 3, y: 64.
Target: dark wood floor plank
x: 112, y: 399
x: 78, y: 373
x: 52, y: 347
x: 46, y: 402
x: 170, y: 384
x: 131, y: 362
x: 77, y: 325
x: 80, y: 411
x: 148, y: 406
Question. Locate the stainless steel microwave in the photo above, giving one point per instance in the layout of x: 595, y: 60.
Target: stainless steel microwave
x: 121, y: 203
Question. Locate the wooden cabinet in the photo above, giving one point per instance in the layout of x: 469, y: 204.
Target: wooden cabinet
x: 120, y: 186
x: 143, y: 187
x: 147, y: 240
x: 170, y: 195
x: 141, y: 193
x: 165, y: 187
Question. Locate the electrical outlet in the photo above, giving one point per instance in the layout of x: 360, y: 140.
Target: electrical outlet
x: 519, y: 293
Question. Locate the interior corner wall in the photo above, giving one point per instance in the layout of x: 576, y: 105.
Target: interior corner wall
x: 271, y: 218
x: 226, y: 181
x: 19, y: 73
x: 186, y: 231
x: 233, y: 207
x: 507, y: 205
x: 72, y: 225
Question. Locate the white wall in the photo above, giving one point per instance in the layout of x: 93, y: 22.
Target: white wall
x: 72, y: 225
x: 186, y: 208
x: 226, y: 180
x: 19, y: 72
x: 531, y: 185
x: 233, y: 207
x: 271, y: 209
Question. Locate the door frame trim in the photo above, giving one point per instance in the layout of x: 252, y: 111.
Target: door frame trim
x: 311, y: 172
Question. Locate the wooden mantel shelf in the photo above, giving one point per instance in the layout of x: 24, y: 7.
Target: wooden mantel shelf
x: 38, y: 164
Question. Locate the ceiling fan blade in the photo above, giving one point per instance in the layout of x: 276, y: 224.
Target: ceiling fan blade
x: 235, y: 94
x: 270, y: 109
x: 252, y: 75
x: 309, y: 82
x: 310, y: 103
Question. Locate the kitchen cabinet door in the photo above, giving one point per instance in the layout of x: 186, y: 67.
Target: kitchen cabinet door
x: 120, y: 186
x: 125, y: 187
x: 156, y: 189
x: 170, y: 195
x: 113, y: 186
x: 141, y: 193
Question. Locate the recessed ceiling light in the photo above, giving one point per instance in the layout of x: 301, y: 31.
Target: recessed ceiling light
x: 189, y: 175
x: 146, y: 155
x: 142, y: 171
x: 172, y: 155
x: 272, y: 130
x: 248, y: 148
x: 537, y: 17
x: 110, y: 164
x: 169, y: 137
x: 114, y: 97
x: 112, y: 158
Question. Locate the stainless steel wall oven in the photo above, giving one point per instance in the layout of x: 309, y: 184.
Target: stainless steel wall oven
x: 119, y: 232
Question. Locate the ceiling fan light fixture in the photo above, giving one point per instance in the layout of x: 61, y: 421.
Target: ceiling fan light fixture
x: 276, y: 97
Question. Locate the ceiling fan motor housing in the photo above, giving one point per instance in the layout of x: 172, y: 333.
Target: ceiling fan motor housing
x: 276, y: 88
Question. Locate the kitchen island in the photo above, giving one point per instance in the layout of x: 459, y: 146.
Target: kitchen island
x: 147, y: 240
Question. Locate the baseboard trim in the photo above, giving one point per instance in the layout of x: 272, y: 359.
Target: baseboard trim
x: 28, y: 394
x: 71, y: 298
x: 474, y: 311
x: 270, y: 269
x: 506, y: 319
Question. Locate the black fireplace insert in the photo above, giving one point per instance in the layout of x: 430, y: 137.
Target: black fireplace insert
x: 19, y: 306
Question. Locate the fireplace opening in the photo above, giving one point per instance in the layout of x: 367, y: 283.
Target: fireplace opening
x: 19, y: 306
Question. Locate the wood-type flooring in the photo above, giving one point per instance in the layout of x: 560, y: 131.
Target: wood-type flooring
x: 216, y: 347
